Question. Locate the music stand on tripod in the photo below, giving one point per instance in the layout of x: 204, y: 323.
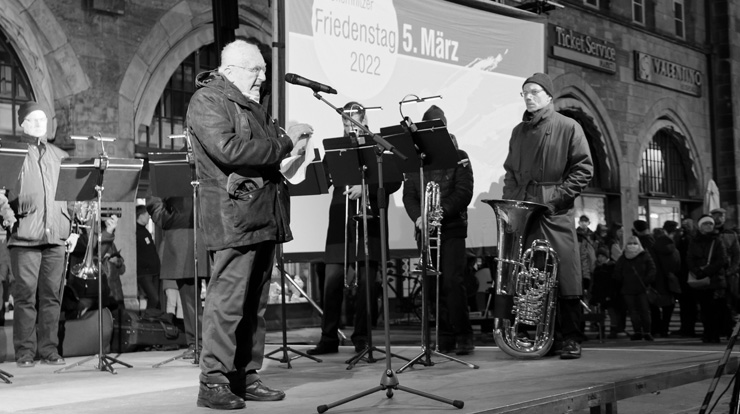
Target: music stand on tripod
x: 168, y: 176
x: 389, y: 380
x: 12, y: 157
x: 84, y: 180
x: 351, y: 163
x: 431, y: 149
x: 314, y: 184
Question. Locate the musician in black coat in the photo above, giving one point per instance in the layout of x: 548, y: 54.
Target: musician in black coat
x: 455, y: 194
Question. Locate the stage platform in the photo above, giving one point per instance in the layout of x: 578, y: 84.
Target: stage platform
x: 665, y: 376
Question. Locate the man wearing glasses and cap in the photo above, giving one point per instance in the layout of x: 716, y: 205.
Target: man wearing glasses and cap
x: 549, y: 162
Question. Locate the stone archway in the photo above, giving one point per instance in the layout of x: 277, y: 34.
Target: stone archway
x: 53, y: 68
x: 180, y: 32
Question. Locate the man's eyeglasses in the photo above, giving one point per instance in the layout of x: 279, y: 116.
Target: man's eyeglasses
x: 533, y: 92
x: 254, y: 69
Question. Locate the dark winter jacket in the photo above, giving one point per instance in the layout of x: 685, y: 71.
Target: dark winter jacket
x: 41, y: 219
x: 699, y: 261
x: 635, y: 274
x: 174, y: 216
x: 549, y: 162
x: 238, y: 149
x: 455, y: 194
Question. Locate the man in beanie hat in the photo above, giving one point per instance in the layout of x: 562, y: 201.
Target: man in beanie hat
x: 37, y: 244
x: 549, y: 162
x: 455, y: 194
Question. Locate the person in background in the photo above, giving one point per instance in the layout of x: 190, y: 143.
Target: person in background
x: 635, y: 271
x: 345, y: 204
x: 7, y: 219
x: 668, y: 264
x: 587, y: 251
x: 615, y: 241
x: 37, y: 244
x: 688, y: 306
x: 730, y: 240
x: 707, y: 258
x: 455, y: 194
x: 147, y: 262
x: 605, y: 292
x: 641, y: 229
x: 549, y: 162
x: 174, y: 215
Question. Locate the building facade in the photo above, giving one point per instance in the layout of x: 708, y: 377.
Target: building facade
x: 650, y: 81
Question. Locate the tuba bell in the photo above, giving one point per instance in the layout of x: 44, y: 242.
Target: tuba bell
x: 525, y: 284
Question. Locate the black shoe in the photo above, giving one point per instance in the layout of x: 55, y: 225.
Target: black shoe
x: 257, y: 391
x: 323, y: 348
x: 636, y: 337
x: 446, y: 345
x: 555, y: 349
x: 465, y: 345
x: 25, y: 361
x: 571, y: 350
x: 219, y: 397
x: 360, y: 346
x: 53, y: 359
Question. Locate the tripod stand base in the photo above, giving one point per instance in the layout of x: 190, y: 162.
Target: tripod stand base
x: 367, y: 356
x: 388, y: 383
x: 105, y: 363
x: 286, y: 359
x: 189, y: 354
x: 4, y: 377
x: 425, y: 358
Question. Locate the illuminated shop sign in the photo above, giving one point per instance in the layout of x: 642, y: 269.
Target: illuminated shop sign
x: 667, y: 74
x: 582, y: 49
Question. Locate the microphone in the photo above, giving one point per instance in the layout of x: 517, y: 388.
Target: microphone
x: 301, y: 81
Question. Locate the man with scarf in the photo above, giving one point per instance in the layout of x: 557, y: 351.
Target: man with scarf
x: 549, y: 162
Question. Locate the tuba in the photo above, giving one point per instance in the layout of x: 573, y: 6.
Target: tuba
x: 526, y: 282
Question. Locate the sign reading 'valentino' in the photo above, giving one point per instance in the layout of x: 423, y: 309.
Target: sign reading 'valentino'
x: 583, y: 49
x: 670, y: 75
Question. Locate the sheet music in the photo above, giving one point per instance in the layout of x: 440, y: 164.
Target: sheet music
x: 294, y: 167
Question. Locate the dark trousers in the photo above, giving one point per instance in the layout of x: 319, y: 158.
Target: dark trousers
x: 234, y: 316
x: 713, y: 307
x: 454, y: 319
x: 639, y: 310
x: 569, y: 319
x: 333, y: 297
x: 150, y: 285
x: 190, y: 305
x: 38, y: 273
x: 688, y: 313
x: 661, y: 318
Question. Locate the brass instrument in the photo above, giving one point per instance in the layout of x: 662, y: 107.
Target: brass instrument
x: 85, y: 212
x: 432, y: 216
x: 362, y: 203
x: 526, y: 283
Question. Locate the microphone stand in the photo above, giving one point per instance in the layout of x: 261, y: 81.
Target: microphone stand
x: 389, y: 380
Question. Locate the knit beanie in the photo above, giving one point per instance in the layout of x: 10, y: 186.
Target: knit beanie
x: 542, y: 80
x: 670, y: 226
x: 434, y: 112
x: 28, y: 107
x: 640, y: 225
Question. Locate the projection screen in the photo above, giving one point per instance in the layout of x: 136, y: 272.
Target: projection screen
x: 377, y: 52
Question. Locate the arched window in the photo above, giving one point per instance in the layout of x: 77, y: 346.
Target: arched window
x: 662, y: 169
x: 169, y: 116
x: 15, y: 88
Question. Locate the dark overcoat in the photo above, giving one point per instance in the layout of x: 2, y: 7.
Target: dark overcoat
x: 237, y: 149
x: 549, y: 162
x: 174, y: 215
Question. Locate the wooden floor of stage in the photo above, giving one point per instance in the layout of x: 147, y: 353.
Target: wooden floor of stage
x: 651, y: 372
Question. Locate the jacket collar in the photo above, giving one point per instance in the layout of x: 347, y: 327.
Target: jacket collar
x: 534, y: 118
x: 215, y: 80
x: 27, y: 139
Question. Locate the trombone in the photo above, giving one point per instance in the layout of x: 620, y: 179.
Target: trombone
x: 363, y: 202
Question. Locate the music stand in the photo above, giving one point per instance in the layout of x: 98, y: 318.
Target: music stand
x: 12, y: 156
x: 168, y: 177
x: 83, y: 180
x: 350, y: 163
x: 389, y: 380
x: 432, y: 145
x: 314, y: 184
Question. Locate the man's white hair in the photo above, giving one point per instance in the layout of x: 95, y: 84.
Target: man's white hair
x: 233, y: 53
